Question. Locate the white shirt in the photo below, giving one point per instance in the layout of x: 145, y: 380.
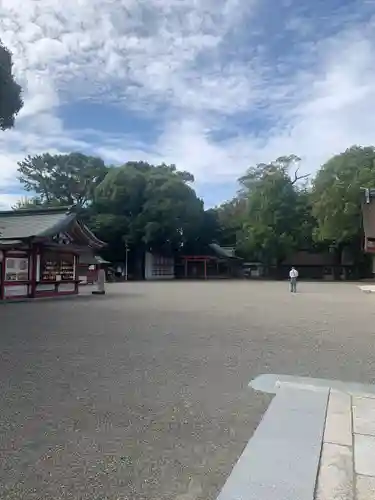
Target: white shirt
x: 293, y: 273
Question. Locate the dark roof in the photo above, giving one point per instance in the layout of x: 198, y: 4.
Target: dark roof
x: 224, y: 253
x: 91, y: 259
x: 30, y: 223
x: 40, y: 223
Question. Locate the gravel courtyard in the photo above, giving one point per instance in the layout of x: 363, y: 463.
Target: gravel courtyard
x: 142, y: 394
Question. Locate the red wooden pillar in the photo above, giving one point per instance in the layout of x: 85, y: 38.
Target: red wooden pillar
x: 33, y: 258
x: 2, y: 277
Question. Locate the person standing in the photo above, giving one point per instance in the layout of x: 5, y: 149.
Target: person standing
x: 293, y: 275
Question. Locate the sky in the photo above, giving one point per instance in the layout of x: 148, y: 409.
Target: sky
x: 213, y: 86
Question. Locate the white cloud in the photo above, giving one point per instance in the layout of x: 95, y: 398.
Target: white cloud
x: 204, y: 65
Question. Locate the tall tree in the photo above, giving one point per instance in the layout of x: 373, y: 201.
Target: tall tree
x: 10, y: 92
x: 68, y: 179
x: 148, y: 207
x: 274, y: 206
x: 336, y: 194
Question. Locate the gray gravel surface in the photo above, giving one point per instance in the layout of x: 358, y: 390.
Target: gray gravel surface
x: 142, y: 394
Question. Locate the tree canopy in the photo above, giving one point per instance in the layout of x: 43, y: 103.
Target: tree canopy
x: 10, y: 92
x: 336, y: 194
x: 267, y: 215
x: 231, y: 216
x: 146, y: 206
x: 65, y: 179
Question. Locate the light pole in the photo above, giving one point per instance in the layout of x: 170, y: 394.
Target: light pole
x: 126, y: 260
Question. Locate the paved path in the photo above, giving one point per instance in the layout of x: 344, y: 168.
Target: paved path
x: 143, y: 393
x: 347, y: 469
x: 316, y: 441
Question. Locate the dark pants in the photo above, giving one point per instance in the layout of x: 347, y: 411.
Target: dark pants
x: 293, y: 285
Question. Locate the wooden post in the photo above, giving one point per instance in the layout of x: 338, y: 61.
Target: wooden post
x: 2, y: 276
x: 205, y: 269
x: 33, y: 268
x: 75, y: 272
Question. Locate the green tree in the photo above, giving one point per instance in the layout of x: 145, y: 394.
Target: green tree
x: 207, y: 229
x: 306, y: 221
x: 336, y: 195
x: 231, y: 216
x: 10, y: 92
x: 66, y: 179
x: 148, y: 207
x: 276, y: 206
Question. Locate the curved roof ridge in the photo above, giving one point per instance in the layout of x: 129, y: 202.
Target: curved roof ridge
x: 35, y: 211
x: 44, y: 223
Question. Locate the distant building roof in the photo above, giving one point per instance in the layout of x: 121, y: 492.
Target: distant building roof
x: 91, y: 259
x: 223, y: 252
x: 42, y: 223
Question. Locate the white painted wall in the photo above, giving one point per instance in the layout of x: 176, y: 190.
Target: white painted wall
x: 158, y: 267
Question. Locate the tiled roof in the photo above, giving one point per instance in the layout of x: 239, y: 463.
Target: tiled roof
x: 90, y: 259
x: 46, y: 222
x: 222, y: 252
x: 30, y: 223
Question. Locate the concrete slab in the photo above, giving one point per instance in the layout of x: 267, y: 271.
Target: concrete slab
x: 338, y: 429
x: 364, y: 415
x: 335, y: 481
x: 365, y: 488
x: 281, y: 460
x: 271, y: 382
x: 364, y: 455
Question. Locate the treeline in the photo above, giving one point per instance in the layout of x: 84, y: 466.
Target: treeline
x: 276, y: 211
x: 138, y: 205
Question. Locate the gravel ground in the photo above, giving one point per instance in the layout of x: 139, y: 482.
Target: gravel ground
x: 142, y: 394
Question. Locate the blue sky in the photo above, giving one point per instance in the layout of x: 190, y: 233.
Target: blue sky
x: 213, y: 86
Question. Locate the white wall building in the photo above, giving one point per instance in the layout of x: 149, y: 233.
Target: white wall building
x: 158, y: 267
